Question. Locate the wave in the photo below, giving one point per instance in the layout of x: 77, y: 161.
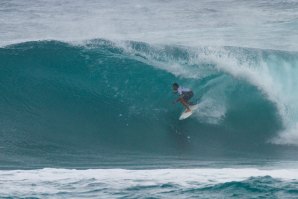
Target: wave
x: 102, y: 96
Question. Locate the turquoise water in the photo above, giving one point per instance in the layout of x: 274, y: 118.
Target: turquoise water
x: 108, y: 105
x: 86, y: 103
x: 104, y: 99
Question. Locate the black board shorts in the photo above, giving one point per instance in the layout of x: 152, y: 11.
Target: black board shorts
x: 187, y: 95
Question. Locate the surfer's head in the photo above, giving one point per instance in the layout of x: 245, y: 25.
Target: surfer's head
x: 175, y: 87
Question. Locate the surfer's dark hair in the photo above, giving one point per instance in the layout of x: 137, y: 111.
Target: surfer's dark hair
x: 176, y: 85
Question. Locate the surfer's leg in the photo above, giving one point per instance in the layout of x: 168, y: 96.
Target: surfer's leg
x: 185, y: 104
x: 187, y: 96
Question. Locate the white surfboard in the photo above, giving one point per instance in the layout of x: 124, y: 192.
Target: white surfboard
x: 185, y: 115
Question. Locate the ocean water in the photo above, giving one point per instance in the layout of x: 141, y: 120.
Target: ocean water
x: 86, y: 103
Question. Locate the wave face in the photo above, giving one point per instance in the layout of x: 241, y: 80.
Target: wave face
x: 101, y: 98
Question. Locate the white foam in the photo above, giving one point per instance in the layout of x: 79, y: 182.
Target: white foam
x: 54, y: 181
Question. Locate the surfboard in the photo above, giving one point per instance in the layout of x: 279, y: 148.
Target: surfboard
x: 185, y: 115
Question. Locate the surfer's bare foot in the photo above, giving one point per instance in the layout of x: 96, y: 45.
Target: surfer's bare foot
x: 187, y: 110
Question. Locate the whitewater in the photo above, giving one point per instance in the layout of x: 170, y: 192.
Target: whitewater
x: 86, y: 103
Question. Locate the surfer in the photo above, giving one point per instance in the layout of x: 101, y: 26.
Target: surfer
x: 184, y: 95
